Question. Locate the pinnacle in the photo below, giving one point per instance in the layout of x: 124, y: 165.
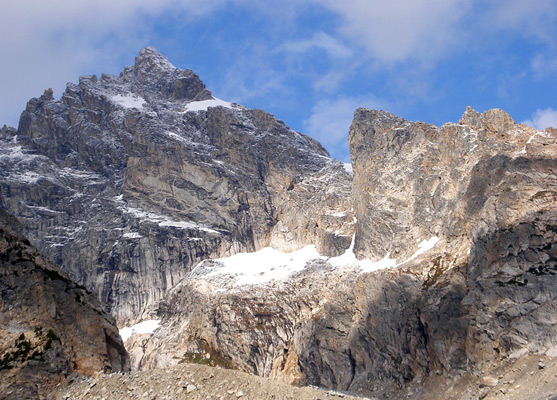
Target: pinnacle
x: 149, y: 57
x: 149, y: 52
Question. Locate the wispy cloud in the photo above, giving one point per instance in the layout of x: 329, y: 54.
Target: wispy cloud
x: 399, y: 30
x: 330, y: 121
x: 544, y: 65
x: 542, y: 119
x: 319, y: 41
x: 526, y: 18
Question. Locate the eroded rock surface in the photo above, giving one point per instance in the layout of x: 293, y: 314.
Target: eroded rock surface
x: 50, y: 327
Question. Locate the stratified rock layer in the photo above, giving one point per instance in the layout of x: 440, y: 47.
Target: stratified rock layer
x: 50, y: 327
x: 128, y: 182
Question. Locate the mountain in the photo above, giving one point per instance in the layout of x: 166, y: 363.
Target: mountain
x: 130, y: 181
x: 428, y: 272
x: 50, y: 327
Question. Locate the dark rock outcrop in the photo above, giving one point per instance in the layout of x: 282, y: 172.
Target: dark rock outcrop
x: 50, y: 327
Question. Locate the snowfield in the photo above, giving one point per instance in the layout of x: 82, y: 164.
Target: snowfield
x: 268, y: 264
x: 264, y: 265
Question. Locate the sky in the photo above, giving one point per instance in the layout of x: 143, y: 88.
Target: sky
x: 311, y: 63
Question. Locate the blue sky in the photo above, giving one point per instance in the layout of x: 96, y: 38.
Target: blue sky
x: 309, y: 62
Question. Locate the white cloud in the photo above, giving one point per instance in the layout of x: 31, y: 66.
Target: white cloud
x: 529, y: 19
x: 331, y: 119
x: 427, y: 31
x: 321, y: 41
x: 542, y: 119
x: 400, y: 30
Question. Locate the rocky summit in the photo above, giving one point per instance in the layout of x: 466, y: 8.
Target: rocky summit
x: 221, y: 237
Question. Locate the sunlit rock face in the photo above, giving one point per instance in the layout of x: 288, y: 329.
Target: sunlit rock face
x: 129, y: 181
x: 414, y: 180
x: 50, y: 327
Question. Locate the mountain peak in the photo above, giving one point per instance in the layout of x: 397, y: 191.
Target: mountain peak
x: 153, y: 72
x: 150, y: 59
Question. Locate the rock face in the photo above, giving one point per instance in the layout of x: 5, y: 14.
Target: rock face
x: 130, y: 181
x: 484, y: 189
x: 50, y: 327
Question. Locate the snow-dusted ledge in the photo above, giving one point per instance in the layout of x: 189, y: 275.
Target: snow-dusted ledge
x: 145, y: 327
x: 205, y: 104
x: 128, y: 100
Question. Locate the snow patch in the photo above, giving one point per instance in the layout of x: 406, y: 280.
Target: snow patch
x: 268, y: 264
x: 348, y: 168
x: 264, y: 265
x: 425, y: 245
x: 81, y: 174
x: 45, y: 209
x: 132, y: 235
x: 26, y: 177
x: 16, y: 154
x: 177, y: 137
x: 128, y: 101
x: 349, y: 258
x: 205, y: 104
x: 185, y: 225
x: 145, y: 327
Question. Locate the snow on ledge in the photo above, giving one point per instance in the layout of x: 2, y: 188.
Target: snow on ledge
x: 268, y: 264
x: 264, y: 265
x: 144, y: 327
x: 132, y: 235
x: 162, y: 220
x: 128, y: 101
x: 205, y: 104
x: 425, y: 245
x: 349, y: 258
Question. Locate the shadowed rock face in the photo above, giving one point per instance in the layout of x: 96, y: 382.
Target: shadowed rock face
x: 50, y: 327
x: 128, y: 190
